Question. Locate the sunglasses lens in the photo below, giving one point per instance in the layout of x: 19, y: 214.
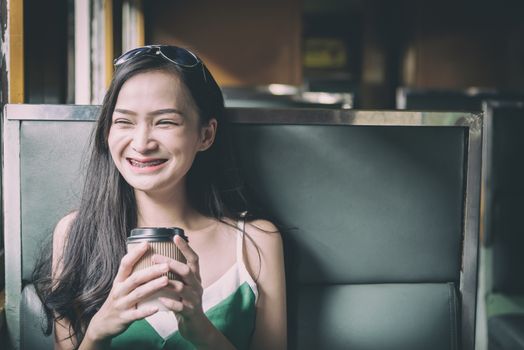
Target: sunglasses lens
x: 176, y: 55
x: 179, y: 56
x: 130, y: 54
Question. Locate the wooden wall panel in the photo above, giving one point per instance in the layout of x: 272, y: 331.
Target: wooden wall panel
x: 456, y: 45
x: 243, y: 43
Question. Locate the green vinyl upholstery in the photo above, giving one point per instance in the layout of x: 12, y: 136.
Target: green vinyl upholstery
x: 503, y: 234
x: 375, y: 218
x: 52, y: 155
x: 372, y: 219
x: 355, y: 316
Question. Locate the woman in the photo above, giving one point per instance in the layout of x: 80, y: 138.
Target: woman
x: 159, y: 159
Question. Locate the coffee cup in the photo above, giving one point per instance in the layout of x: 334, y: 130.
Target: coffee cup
x: 160, y: 241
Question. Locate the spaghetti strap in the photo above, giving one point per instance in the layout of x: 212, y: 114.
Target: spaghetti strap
x: 241, y: 226
x: 244, y: 273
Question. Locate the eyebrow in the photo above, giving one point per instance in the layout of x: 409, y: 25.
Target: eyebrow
x: 153, y: 113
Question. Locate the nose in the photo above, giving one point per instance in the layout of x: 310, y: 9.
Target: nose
x: 143, y: 141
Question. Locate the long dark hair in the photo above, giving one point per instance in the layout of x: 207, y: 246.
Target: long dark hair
x: 96, y: 240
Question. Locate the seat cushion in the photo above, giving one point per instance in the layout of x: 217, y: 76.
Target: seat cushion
x: 506, y: 332
x: 377, y: 316
x: 32, y: 320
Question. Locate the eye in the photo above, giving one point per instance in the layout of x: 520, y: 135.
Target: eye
x: 167, y: 122
x: 122, y: 121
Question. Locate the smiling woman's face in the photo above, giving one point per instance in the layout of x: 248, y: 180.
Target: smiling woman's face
x: 155, y: 132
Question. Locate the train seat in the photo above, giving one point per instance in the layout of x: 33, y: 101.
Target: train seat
x: 379, y: 214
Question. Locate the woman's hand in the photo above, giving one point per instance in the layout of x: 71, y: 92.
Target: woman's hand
x: 119, y: 310
x: 186, y: 297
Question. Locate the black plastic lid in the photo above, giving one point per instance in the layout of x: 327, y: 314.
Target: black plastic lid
x: 155, y: 234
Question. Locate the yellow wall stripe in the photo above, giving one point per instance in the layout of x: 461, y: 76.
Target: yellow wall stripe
x: 16, y: 51
x: 140, y: 29
x: 108, y: 40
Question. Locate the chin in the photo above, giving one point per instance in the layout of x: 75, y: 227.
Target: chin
x: 152, y: 187
x: 146, y: 187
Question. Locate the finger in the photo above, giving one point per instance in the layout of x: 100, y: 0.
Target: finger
x: 180, y: 291
x: 140, y: 313
x: 176, y: 286
x: 144, y: 291
x: 181, y: 270
x: 160, y: 259
x: 189, y: 254
x: 172, y: 304
x: 139, y: 278
x: 129, y: 260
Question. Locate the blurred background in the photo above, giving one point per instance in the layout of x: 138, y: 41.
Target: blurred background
x: 344, y: 53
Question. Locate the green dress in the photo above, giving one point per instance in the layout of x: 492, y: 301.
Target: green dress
x: 229, y: 303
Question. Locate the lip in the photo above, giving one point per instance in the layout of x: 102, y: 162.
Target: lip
x: 147, y: 168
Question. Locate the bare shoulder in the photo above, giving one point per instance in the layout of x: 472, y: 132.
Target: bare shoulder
x: 265, y: 263
x: 62, y: 227
x: 59, y: 237
x: 264, y: 234
x: 263, y: 246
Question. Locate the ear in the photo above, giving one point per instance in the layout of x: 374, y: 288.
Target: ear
x: 207, y: 134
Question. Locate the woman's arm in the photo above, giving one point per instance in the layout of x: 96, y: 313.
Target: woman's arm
x: 63, y: 340
x: 268, y: 271
x: 61, y: 328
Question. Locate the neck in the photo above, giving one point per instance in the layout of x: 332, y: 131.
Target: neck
x: 161, y: 210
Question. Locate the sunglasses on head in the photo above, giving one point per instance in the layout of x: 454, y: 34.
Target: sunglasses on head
x: 176, y: 55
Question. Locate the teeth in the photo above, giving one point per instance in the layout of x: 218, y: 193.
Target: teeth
x: 146, y: 164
